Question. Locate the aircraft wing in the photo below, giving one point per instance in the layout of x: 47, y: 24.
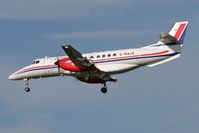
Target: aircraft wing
x: 76, y: 57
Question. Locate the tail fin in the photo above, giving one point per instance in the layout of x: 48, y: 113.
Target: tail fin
x: 173, y: 41
x: 175, y: 36
x: 178, y: 31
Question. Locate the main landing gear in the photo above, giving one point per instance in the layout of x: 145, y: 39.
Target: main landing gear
x: 104, y: 89
x: 27, y: 89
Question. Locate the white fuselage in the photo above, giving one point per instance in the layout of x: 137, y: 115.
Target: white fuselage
x: 113, y: 62
x: 98, y: 68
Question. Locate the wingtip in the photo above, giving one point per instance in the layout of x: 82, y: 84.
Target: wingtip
x: 65, y: 46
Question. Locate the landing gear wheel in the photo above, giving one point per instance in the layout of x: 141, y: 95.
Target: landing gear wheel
x: 104, y: 90
x: 27, y: 89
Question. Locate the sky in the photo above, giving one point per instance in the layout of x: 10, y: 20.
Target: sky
x: 148, y: 100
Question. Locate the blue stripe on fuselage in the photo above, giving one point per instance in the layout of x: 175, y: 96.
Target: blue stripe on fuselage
x: 172, y: 54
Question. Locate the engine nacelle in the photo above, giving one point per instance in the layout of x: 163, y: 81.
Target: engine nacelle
x: 67, y: 64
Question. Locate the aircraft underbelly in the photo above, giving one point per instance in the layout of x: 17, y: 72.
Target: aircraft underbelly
x: 118, y: 67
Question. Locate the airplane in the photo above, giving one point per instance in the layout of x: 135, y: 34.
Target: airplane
x: 99, y: 67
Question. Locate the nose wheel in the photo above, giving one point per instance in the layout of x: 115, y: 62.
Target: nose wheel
x: 104, y: 89
x: 27, y: 89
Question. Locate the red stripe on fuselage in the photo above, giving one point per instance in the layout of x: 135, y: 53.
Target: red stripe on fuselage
x: 95, y: 61
x: 141, y: 55
x: 36, y: 67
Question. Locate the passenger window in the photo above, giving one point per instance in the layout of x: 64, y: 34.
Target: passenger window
x: 91, y: 57
x: 109, y: 55
x: 103, y: 56
x: 114, y: 54
x: 98, y: 56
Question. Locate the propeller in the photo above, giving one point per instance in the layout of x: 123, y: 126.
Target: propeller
x: 57, y: 63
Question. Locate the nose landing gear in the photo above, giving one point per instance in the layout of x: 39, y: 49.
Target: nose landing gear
x: 104, y: 89
x: 27, y: 89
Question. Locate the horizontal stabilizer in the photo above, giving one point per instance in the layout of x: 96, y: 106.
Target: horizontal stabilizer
x: 167, y: 39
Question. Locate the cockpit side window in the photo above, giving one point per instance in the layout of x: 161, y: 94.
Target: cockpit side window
x: 36, y: 62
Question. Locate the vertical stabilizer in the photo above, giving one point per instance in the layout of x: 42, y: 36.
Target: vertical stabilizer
x: 178, y: 31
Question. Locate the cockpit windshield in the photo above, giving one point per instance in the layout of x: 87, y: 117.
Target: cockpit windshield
x: 36, y: 62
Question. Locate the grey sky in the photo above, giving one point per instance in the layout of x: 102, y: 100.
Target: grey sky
x: 56, y: 9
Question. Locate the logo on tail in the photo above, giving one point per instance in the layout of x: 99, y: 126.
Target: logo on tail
x: 178, y: 31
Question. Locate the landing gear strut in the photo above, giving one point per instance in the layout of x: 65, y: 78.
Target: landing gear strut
x: 27, y: 89
x: 104, y: 89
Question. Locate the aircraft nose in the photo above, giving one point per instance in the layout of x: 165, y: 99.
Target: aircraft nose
x: 12, y: 77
